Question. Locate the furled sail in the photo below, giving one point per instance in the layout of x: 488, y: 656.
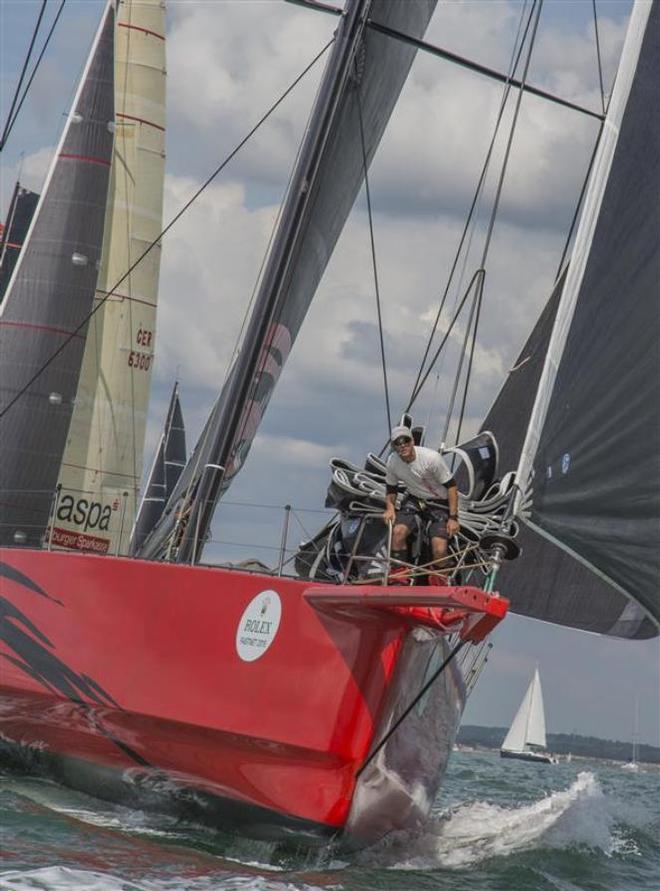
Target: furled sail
x: 102, y: 464
x: 19, y: 216
x: 360, y: 86
x: 50, y: 294
x: 165, y: 472
x: 528, y: 727
x: 591, y: 451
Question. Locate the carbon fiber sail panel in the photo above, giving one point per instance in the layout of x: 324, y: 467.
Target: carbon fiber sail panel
x: 364, y: 74
x: 50, y: 294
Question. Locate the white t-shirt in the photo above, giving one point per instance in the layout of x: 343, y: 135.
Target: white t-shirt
x: 425, y: 477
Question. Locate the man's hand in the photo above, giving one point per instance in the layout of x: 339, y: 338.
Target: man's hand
x: 452, y: 527
x: 390, y: 514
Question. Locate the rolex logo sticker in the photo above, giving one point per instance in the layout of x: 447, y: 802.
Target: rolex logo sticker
x: 258, y: 625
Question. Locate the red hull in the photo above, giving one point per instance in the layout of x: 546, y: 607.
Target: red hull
x: 130, y: 670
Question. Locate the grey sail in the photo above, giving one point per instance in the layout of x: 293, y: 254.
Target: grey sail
x: 547, y: 583
x: 590, y: 460
x: 19, y: 216
x: 164, y: 475
x: 363, y: 77
x: 49, y: 295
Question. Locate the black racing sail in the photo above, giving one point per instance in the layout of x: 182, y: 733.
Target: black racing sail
x: 49, y: 295
x: 588, y: 448
x: 361, y: 83
x: 19, y: 216
x: 168, y: 463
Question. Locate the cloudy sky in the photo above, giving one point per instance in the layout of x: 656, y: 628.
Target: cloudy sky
x: 228, y: 61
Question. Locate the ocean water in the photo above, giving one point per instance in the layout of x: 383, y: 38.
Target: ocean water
x: 504, y: 825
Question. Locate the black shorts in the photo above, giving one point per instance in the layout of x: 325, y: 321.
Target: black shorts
x: 435, y: 515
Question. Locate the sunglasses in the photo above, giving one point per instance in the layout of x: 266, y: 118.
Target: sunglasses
x: 401, y: 441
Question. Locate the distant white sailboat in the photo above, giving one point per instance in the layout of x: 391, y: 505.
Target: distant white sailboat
x: 633, y: 764
x: 526, y: 736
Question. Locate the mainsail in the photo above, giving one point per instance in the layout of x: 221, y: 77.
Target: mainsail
x: 164, y: 475
x: 591, y: 450
x: 48, y: 299
x: 528, y: 727
x: 102, y: 464
x: 360, y: 86
x: 19, y: 216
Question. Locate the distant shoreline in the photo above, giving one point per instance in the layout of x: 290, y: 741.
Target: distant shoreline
x: 580, y: 748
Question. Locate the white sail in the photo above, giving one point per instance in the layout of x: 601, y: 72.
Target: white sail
x: 102, y: 464
x: 528, y: 727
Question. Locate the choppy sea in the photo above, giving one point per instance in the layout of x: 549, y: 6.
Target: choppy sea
x: 502, y: 825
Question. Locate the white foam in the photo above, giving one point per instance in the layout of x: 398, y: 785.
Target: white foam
x: 477, y: 831
x: 62, y: 878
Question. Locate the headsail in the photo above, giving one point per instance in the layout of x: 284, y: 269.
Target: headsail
x: 49, y: 296
x: 21, y: 210
x: 102, y: 463
x: 528, y: 727
x: 165, y: 472
x: 591, y: 455
x: 364, y: 76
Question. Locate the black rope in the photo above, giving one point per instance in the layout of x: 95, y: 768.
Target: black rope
x: 5, y: 132
x: 600, y: 66
x: 34, y: 71
x: 436, y: 674
x: 375, y: 268
x: 484, y: 170
x: 171, y: 223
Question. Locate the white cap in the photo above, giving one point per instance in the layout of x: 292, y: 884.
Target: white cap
x: 400, y: 431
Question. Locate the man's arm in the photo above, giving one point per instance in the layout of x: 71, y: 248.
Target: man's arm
x: 390, y: 504
x: 452, y: 497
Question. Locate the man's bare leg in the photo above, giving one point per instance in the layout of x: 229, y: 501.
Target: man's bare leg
x: 439, y: 552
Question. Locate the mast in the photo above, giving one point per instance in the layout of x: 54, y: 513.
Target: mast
x: 252, y: 354
x: 364, y: 76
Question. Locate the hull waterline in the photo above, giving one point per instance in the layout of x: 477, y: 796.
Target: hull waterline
x: 538, y: 757
x: 247, y: 701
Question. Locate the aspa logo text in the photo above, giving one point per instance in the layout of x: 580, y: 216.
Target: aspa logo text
x: 84, y: 513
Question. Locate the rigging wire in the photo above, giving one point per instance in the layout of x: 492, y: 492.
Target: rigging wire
x: 466, y: 229
x: 167, y: 228
x: 600, y: 65
x: 14, y: 111
x: 578, y: 204
x: 375, y: 267
x: 496, y: 203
